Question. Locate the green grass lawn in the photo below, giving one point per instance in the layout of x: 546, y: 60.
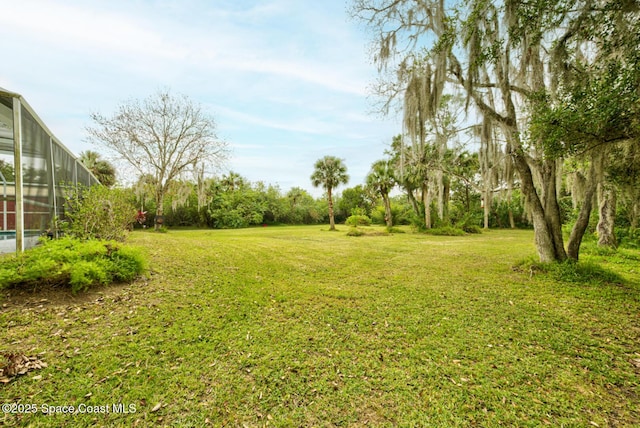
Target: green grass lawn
x: 298, y: 326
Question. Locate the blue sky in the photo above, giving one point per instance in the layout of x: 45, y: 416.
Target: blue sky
x: 286, y: 80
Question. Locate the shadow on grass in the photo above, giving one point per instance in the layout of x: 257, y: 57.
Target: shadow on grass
x: 569, y: 271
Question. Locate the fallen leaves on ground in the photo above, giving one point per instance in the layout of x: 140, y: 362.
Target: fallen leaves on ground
x: 12, y: 365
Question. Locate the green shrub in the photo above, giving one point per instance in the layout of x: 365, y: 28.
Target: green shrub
x: 354, y: 231
x: 72, y: 263
x: 98, y: 212
x: 472, y: 228
x: 84, y: 274
x: 628, y: 237
x: 128, y: 263
x: 469, y: 223
x: 445, y: 231
x: 358, y: 220
x: 394, y: 230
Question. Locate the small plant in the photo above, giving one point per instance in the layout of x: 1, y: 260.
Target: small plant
x: 445, y: 231
x: 358, y: 220
x: 469, y: 223
x: 354, y: 231
x: 393, y: 229
x: 472, y: 228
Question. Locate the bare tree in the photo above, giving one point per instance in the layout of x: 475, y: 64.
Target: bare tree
x: 163, y: 136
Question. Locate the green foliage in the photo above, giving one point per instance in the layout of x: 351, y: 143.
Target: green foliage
x: 472, y: 228
x: 628, y: 237
x: 98, y: 212
x: 499, y: 216
x: 72, y: 263
x: 100, y: 168
x: 401, y: 212
x: 329, y: 172
x: 358, y: 220
x: 354, y: 231
x: 445, y: 231
x: 238, y: 203
x: 470, y: 223
x: 299, y: 207
x: 355, y: 201
x: 84, y: 274
x: 584, y: 272
x: 7, y: 171
x: 394, y: 229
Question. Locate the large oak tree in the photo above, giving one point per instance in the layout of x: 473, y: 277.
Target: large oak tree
x: 503, y: 55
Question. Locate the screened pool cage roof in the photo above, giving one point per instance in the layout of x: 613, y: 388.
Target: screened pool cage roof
x: 37, y: 167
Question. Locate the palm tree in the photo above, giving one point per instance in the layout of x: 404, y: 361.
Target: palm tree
x: 382, y: 180
x: 101, y: 169
x: 233, y: 181
x: 329, y: 173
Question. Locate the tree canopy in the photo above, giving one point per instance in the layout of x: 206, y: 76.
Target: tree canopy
x: 576, y: 57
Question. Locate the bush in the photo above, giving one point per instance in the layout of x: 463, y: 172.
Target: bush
x: 98, y: 212
x: 72, y: 263
x: 445, y: 231
x: 358, y: 220
x: 628, y: 237
x: 354, y: 231
x: 472, y: 228
x: 470, y: 223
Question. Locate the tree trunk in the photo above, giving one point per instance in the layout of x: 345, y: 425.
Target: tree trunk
x: 486, y: 200
x: 606, y: 235
x: 543, y: 236
x: 551, y: 206
x: 512, y: 222
x: 440, y: 187
x: 446, y: 190
x: 412, y: 199
x: 426, y: 201
x: 332, y: 223
x: 387, y: 210
x: 582, y: 222
x: 159, y: 219
x: 467, y: 200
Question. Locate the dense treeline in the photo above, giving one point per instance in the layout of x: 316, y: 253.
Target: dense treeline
x: 231, y: 201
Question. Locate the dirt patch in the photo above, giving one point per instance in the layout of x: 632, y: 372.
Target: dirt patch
x: 20, y: 298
